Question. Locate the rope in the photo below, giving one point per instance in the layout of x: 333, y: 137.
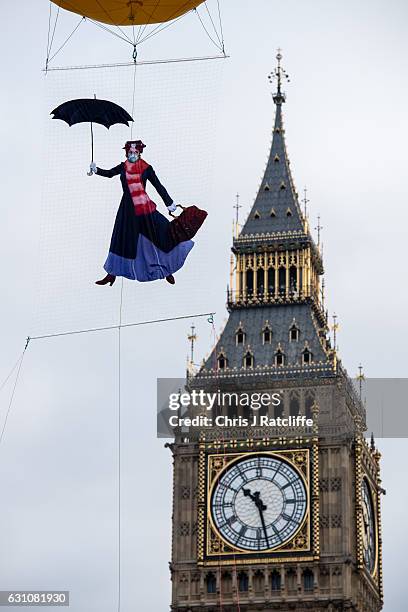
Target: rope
x: 20, y: 363
x: 49, y: 42
x: 159, y: 28
x: 221, y: 28
x: 119, y: 450
x: 49, y: 59
x: 112, y: 19
x: 106, y: 29
x: 120, y: 326
x: 3, y: 384
x: 213, y: 24
x: 205, y: 30
x: 141, y: 63
x: 143, y: 27
x: 134, y: 92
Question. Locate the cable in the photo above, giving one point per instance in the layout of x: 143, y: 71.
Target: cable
x: 119, y: 450
x: 140, y: 63
x: 221, y: 28
x: 49, y: 59
x: 134, y: 92
x: 48, y: 34
x: 159, y: 28
x: 49, y: 43
x: 144, y: 26
x: 12, y: 394
x: 106, y: 29
x: 212, y: 22
x: 112, y: 20
x: 3, y: 384
x: 205, y: 29
x: 121, y: 326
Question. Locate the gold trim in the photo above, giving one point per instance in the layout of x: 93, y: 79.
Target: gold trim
x: 359, y: 508
x: 217, y: 546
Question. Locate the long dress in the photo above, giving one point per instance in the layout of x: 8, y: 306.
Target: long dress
x: 142, y: 247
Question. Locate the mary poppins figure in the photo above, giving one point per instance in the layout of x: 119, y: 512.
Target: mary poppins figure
x: 142, y: 247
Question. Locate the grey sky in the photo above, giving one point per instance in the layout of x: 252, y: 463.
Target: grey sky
x: 346, y: 129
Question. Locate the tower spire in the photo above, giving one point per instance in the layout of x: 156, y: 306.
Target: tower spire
x: 279, y: 74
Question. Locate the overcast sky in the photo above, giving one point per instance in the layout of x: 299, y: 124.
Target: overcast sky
x: 208, y: 129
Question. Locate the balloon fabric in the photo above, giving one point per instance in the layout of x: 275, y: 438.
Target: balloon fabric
x: 129, y: 12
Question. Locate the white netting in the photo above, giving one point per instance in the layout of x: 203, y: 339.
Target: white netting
x: 175, y: 113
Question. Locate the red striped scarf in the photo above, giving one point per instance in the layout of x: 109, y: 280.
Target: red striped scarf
x: 141, y: 201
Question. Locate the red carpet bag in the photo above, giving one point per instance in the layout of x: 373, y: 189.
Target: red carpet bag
x: 186, y: 225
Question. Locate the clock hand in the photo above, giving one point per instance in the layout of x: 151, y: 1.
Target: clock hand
x: 263, y: 523
x: 256, y: 498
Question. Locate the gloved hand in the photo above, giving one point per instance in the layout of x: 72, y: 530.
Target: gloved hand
x: 93, y: 168
x: 172, y: 207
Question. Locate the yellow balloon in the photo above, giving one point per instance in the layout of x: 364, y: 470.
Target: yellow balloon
x: 129, y: 12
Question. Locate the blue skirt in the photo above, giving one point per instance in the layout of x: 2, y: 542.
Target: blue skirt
x: 150, y: 262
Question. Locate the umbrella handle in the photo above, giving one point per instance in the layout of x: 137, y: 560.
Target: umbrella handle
x: 90, y: 173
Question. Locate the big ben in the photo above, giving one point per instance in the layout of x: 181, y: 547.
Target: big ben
x: 277, y: 516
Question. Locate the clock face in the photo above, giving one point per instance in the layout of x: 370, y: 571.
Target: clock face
x: 258, y: 503
x: 369, y: 543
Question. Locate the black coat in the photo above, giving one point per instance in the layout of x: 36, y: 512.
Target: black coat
x: 128, y: 226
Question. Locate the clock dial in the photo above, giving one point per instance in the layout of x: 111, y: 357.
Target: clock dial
x: 259, y: 503
x: 369, y: 543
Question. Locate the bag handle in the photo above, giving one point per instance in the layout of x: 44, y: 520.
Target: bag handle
x: 177, y: 206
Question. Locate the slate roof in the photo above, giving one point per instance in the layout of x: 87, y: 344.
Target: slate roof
x: 280, y: 319
x: 276, y: 195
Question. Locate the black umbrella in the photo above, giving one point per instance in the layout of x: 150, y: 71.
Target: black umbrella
x: 91, y: 110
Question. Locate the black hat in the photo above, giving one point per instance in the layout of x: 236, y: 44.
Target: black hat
x: 138, y: 144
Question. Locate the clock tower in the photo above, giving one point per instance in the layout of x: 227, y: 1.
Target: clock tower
x: 279, y: 512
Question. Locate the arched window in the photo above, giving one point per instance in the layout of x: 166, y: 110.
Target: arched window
x: 275, y: 581
x: 293, y: 278
x: 250, y: 282
x: 258, y: 581
x: 257, y: 215
x: 308, y: 580
x: 260, y: 282
x: 226, y: 582
x: 243, y: 582
x: 222, y: 361
x: 211, y: 583
x: 278, y: 410
x: 279, y: 357
x: 294, y: 406
x: 294, y: 332
x: 266, y: 333
x: 307, y: 357
x: 291, y: 580
x: 271, y: 281
x: 309, y: 401
x: 240, y: 336
x: 248, y: 360
x: 282, y: 281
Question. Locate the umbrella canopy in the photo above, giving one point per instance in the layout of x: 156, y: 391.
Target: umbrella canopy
x: 91, y: 110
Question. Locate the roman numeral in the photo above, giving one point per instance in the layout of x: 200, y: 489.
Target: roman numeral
x: 241, y: 534
x: 288, y: 484
x: 243, y: 476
